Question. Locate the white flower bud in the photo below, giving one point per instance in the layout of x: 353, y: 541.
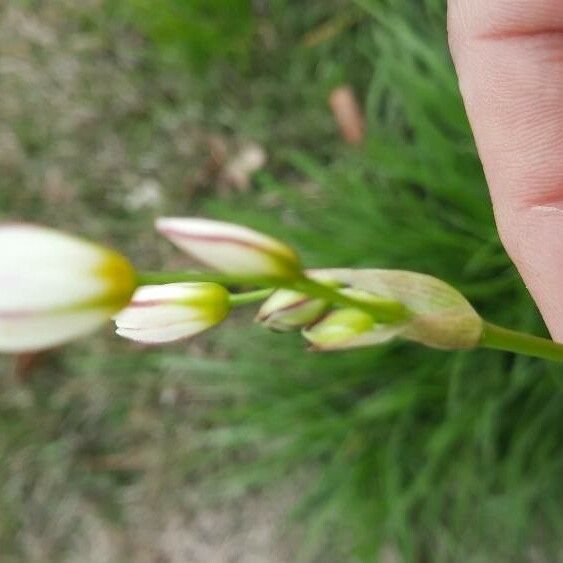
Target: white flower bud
x: 166, y: 313
x: 230, y: 248
x: 55, y: 287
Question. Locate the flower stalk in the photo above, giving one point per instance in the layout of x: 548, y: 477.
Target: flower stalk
x: 382, y: 310
x: 55, y: 288
x: 249, y: 297
x: 500, y: 338
x: 493, y: 336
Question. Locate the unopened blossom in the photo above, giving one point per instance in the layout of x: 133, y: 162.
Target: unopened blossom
x: 55, y: 287
x: 286, y: 310
x: 232, y: 249
x: 348, y: 328
x: 440, y: 316
x: 167, y: 313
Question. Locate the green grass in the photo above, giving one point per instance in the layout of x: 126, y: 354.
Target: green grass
x: 439, y: 456
x: 198, y: 31
x: 447, y: 457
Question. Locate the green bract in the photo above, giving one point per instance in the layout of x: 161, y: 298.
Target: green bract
x: 441, y: 316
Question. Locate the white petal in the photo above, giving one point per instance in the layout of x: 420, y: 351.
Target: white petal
x: 55, y: 287
x: 165, y: 293
x: 163, y: 334
x: 22, y: 243
x: 230, y: 248
x: 43, y: 269
x: 155, y: 316
x: 33, y: 333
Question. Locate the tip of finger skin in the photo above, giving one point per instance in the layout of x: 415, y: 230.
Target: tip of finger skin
x: 509, y: 56
x: 534, y: 240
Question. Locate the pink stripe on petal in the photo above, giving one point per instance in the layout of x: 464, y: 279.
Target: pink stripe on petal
x: 14, y: 315
x: 281, y: 310
x: 218, y: 239
x: 149, y: 303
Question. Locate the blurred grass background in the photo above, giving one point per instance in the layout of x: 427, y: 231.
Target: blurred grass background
x: 240, y: 446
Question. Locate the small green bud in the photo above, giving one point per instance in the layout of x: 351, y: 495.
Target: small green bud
x: 348, y: 328
x: 288, y: 310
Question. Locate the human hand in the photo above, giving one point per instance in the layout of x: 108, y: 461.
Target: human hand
x: 509, y: 59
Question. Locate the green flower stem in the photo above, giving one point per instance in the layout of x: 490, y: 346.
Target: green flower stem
x: 381, y: 310
x: 500, y: 338
x: 249, y: 297
x: 493, y: 336
x: 158, y: 278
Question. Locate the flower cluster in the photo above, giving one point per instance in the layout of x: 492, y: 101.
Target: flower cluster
x: 55, y: 287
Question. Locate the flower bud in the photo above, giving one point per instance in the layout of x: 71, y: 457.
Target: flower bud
x: 440, y: 316
x: 231, y: 249
x: 287, y: 310
x: 348, y: 328
x: 167, y: 313
x: 55, y: 287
